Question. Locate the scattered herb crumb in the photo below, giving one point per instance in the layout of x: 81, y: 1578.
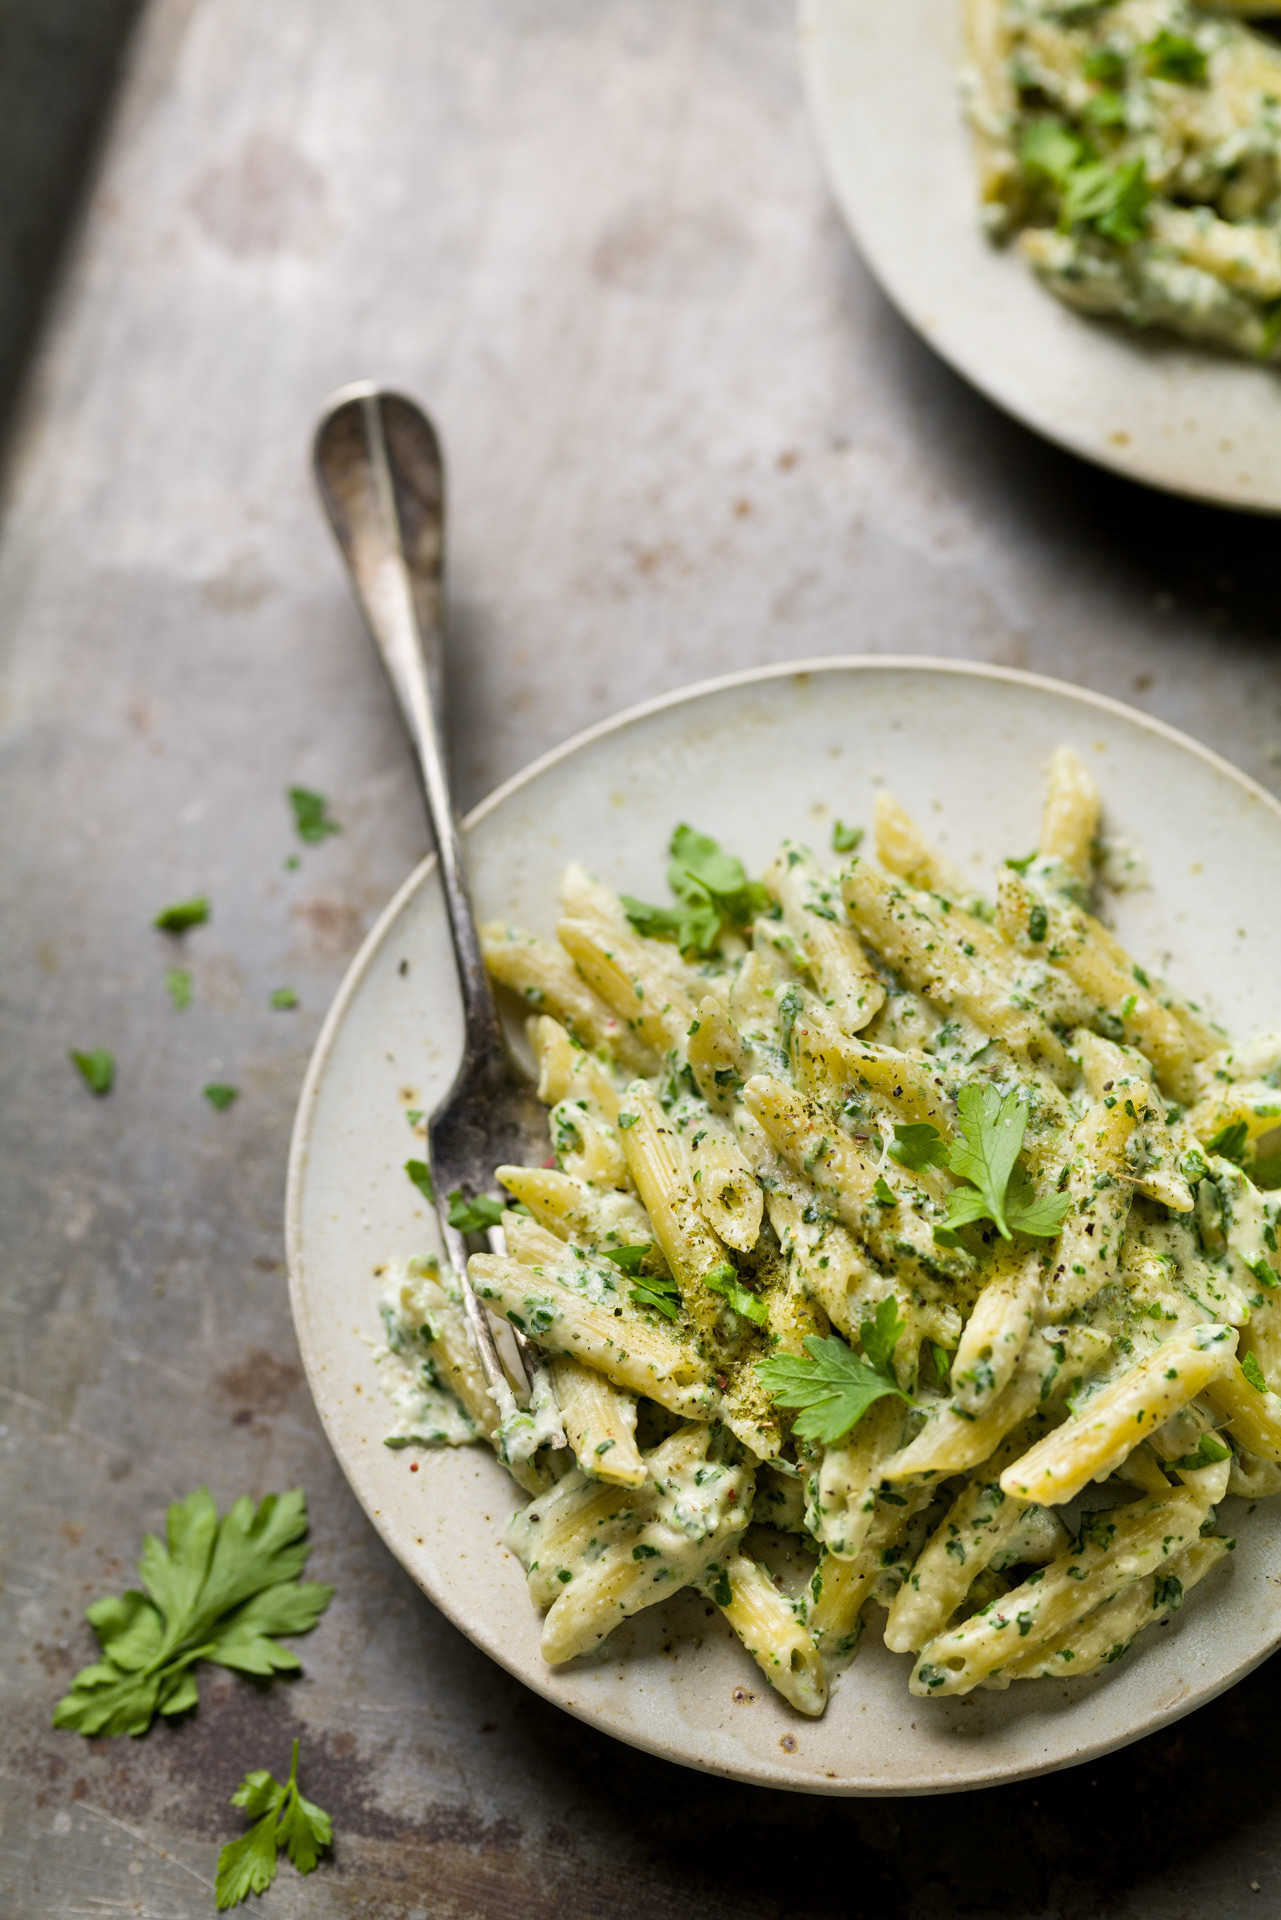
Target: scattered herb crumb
x: 220, y: 1096
x: 420, y: 1173
x: 473, y: 1216
x: 182, y: 915
x: 215, y: 1590
x: 845, y: 839
x: 284, y: 998
x: 311, y: 815
x: 292, y: 862
x: 414, y: 1115
x: 282, y: 1818
x: 98, y: 1067
x: 178, y: 987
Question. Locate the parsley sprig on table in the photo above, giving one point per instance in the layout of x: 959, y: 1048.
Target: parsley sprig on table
x: 215, y: 1590
x: 714, y: 892
x: 282, y: 1818
x: 986, y: 1159
x: 835, y: 1387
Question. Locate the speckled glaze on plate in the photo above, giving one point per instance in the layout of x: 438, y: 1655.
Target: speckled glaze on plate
x: 881, y: 76
x: 751, y: 758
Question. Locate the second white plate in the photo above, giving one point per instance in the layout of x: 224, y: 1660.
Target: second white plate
x: 882, y: 82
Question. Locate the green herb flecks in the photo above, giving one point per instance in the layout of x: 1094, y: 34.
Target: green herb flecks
x: 220, y: 1096
x: 1231, y: 1141
x: 183, y: 915
x: 219, y: 1590
x: 282, y: 1818
x: 1106, y: 65
x: 1112, y: 199
x: 725, y: 1281
x: 1172, y: 56
x: 473, y: 1216
x: 1253, y: 1373
x: 312, y: 818
x: 834, y: 1387
x: 845, y: 839
x: 178, y: 987
x: 97, y: 1066
x: 714, y: 894
x: 629, y: 1259
x: 656, y: 1292
x: 1207, y: 1453
x: 420, y: 1173
x: 283, y: 999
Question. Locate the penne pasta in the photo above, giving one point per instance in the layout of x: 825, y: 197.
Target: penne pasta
x: 869, y: 1215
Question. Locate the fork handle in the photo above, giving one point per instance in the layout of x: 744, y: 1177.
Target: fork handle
x: 381, y: 476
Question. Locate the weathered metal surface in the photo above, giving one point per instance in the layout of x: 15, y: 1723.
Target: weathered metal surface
x: 685, y: 433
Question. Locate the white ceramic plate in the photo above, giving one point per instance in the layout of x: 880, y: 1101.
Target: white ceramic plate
x: 750, y: 759
x: 882, y: 82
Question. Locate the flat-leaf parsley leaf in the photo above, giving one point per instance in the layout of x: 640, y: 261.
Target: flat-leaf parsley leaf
x: 999, y: 1190
x: 282, y: 1818
x: 714, y: 892
x: 219, y: 1590
x: 835, y: 1387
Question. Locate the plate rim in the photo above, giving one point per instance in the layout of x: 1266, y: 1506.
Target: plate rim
x: 813, y: 19
x: 350, y: 984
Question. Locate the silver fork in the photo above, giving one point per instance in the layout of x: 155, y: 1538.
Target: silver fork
x: 381, y: 476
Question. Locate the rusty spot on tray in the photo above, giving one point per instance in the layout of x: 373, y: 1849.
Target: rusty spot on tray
x: 667, y: 252
x: 267, y: 199
x: 261, y: 1383
x: 332, y: 926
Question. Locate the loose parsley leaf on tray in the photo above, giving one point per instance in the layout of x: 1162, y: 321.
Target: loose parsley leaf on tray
x: 835, y: 1387
x: 220, y: 1096
x: 281, y: 1817
x: 312, y: 818
x: 178, y: 987
x: 97, y: 1066
x: 182, y: 915
x: 216, y: 1590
